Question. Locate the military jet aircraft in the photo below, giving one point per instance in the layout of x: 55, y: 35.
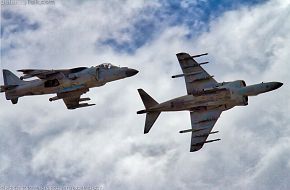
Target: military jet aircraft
x: 68, y: 84
x: 206, y: 99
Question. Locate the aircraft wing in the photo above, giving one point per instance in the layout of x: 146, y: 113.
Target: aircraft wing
x: 202, y: 123
x: 196, y: 78
x: 48, y: 74
x: 72, y: 99
x: 74, y: 102
x: 42, y: 74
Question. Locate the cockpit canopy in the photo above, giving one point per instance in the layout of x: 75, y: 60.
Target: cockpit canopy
x: 107, y: 65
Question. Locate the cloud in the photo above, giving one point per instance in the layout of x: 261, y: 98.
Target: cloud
x: 45, y: 144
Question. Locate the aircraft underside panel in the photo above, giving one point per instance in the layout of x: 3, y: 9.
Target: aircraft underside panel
x: 196, y: 78
x: 202, y: 123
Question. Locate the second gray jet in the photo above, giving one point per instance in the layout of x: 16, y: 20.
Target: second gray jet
x: 68, y: 84
x: 206, y: 99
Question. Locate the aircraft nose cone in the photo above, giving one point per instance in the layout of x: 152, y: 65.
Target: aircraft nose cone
x: 279, y: 84
x: 131, y: 72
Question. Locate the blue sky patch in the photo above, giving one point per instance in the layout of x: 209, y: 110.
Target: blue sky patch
x: 195, y: 15
x: 12, y: 23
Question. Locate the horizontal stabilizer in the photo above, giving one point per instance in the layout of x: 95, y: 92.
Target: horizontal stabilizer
x: 150, y: 120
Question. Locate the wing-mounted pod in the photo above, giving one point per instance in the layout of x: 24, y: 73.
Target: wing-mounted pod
x: 202, y: 78
x: 195, y: 56
x: 204, y: 142
x: 187, y: 74
x: 205, y: 135
x: 198, y: 64
x: 199, y: 55
x: 82, y: 105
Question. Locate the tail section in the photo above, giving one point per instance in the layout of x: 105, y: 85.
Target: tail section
x: 151, y: 116
x: 148, y: 101
x: 11, y: 81
x: 10, y: 78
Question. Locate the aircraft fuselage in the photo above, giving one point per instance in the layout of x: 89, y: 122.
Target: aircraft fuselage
x: 87, y: 78
x: 222, y: 97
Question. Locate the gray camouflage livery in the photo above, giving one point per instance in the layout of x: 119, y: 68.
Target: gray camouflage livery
x: 68, y: 84
x: 206, y: 99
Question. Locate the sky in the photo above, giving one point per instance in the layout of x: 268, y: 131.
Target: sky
x: 43, y: 143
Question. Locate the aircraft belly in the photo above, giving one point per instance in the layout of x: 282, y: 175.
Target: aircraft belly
x: 190, y: 101
x: 34, y: 88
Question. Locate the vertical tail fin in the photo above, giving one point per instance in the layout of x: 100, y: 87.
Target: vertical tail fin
x: 10, y: 78
x: 151, y: 117
x: 11, y: 81
x: 148, y: 101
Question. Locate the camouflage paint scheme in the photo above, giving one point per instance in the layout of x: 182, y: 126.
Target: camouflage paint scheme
x: 206, y: 99
x: 68, y: 84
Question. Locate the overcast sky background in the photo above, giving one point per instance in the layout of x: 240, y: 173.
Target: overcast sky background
x: 43, y: 143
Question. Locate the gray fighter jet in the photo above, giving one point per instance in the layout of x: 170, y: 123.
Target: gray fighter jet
x: 206, y: 99
x: 68, y: 84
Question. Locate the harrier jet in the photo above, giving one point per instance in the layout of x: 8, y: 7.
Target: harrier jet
x: 68, y: 84
x: 206, y: 99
